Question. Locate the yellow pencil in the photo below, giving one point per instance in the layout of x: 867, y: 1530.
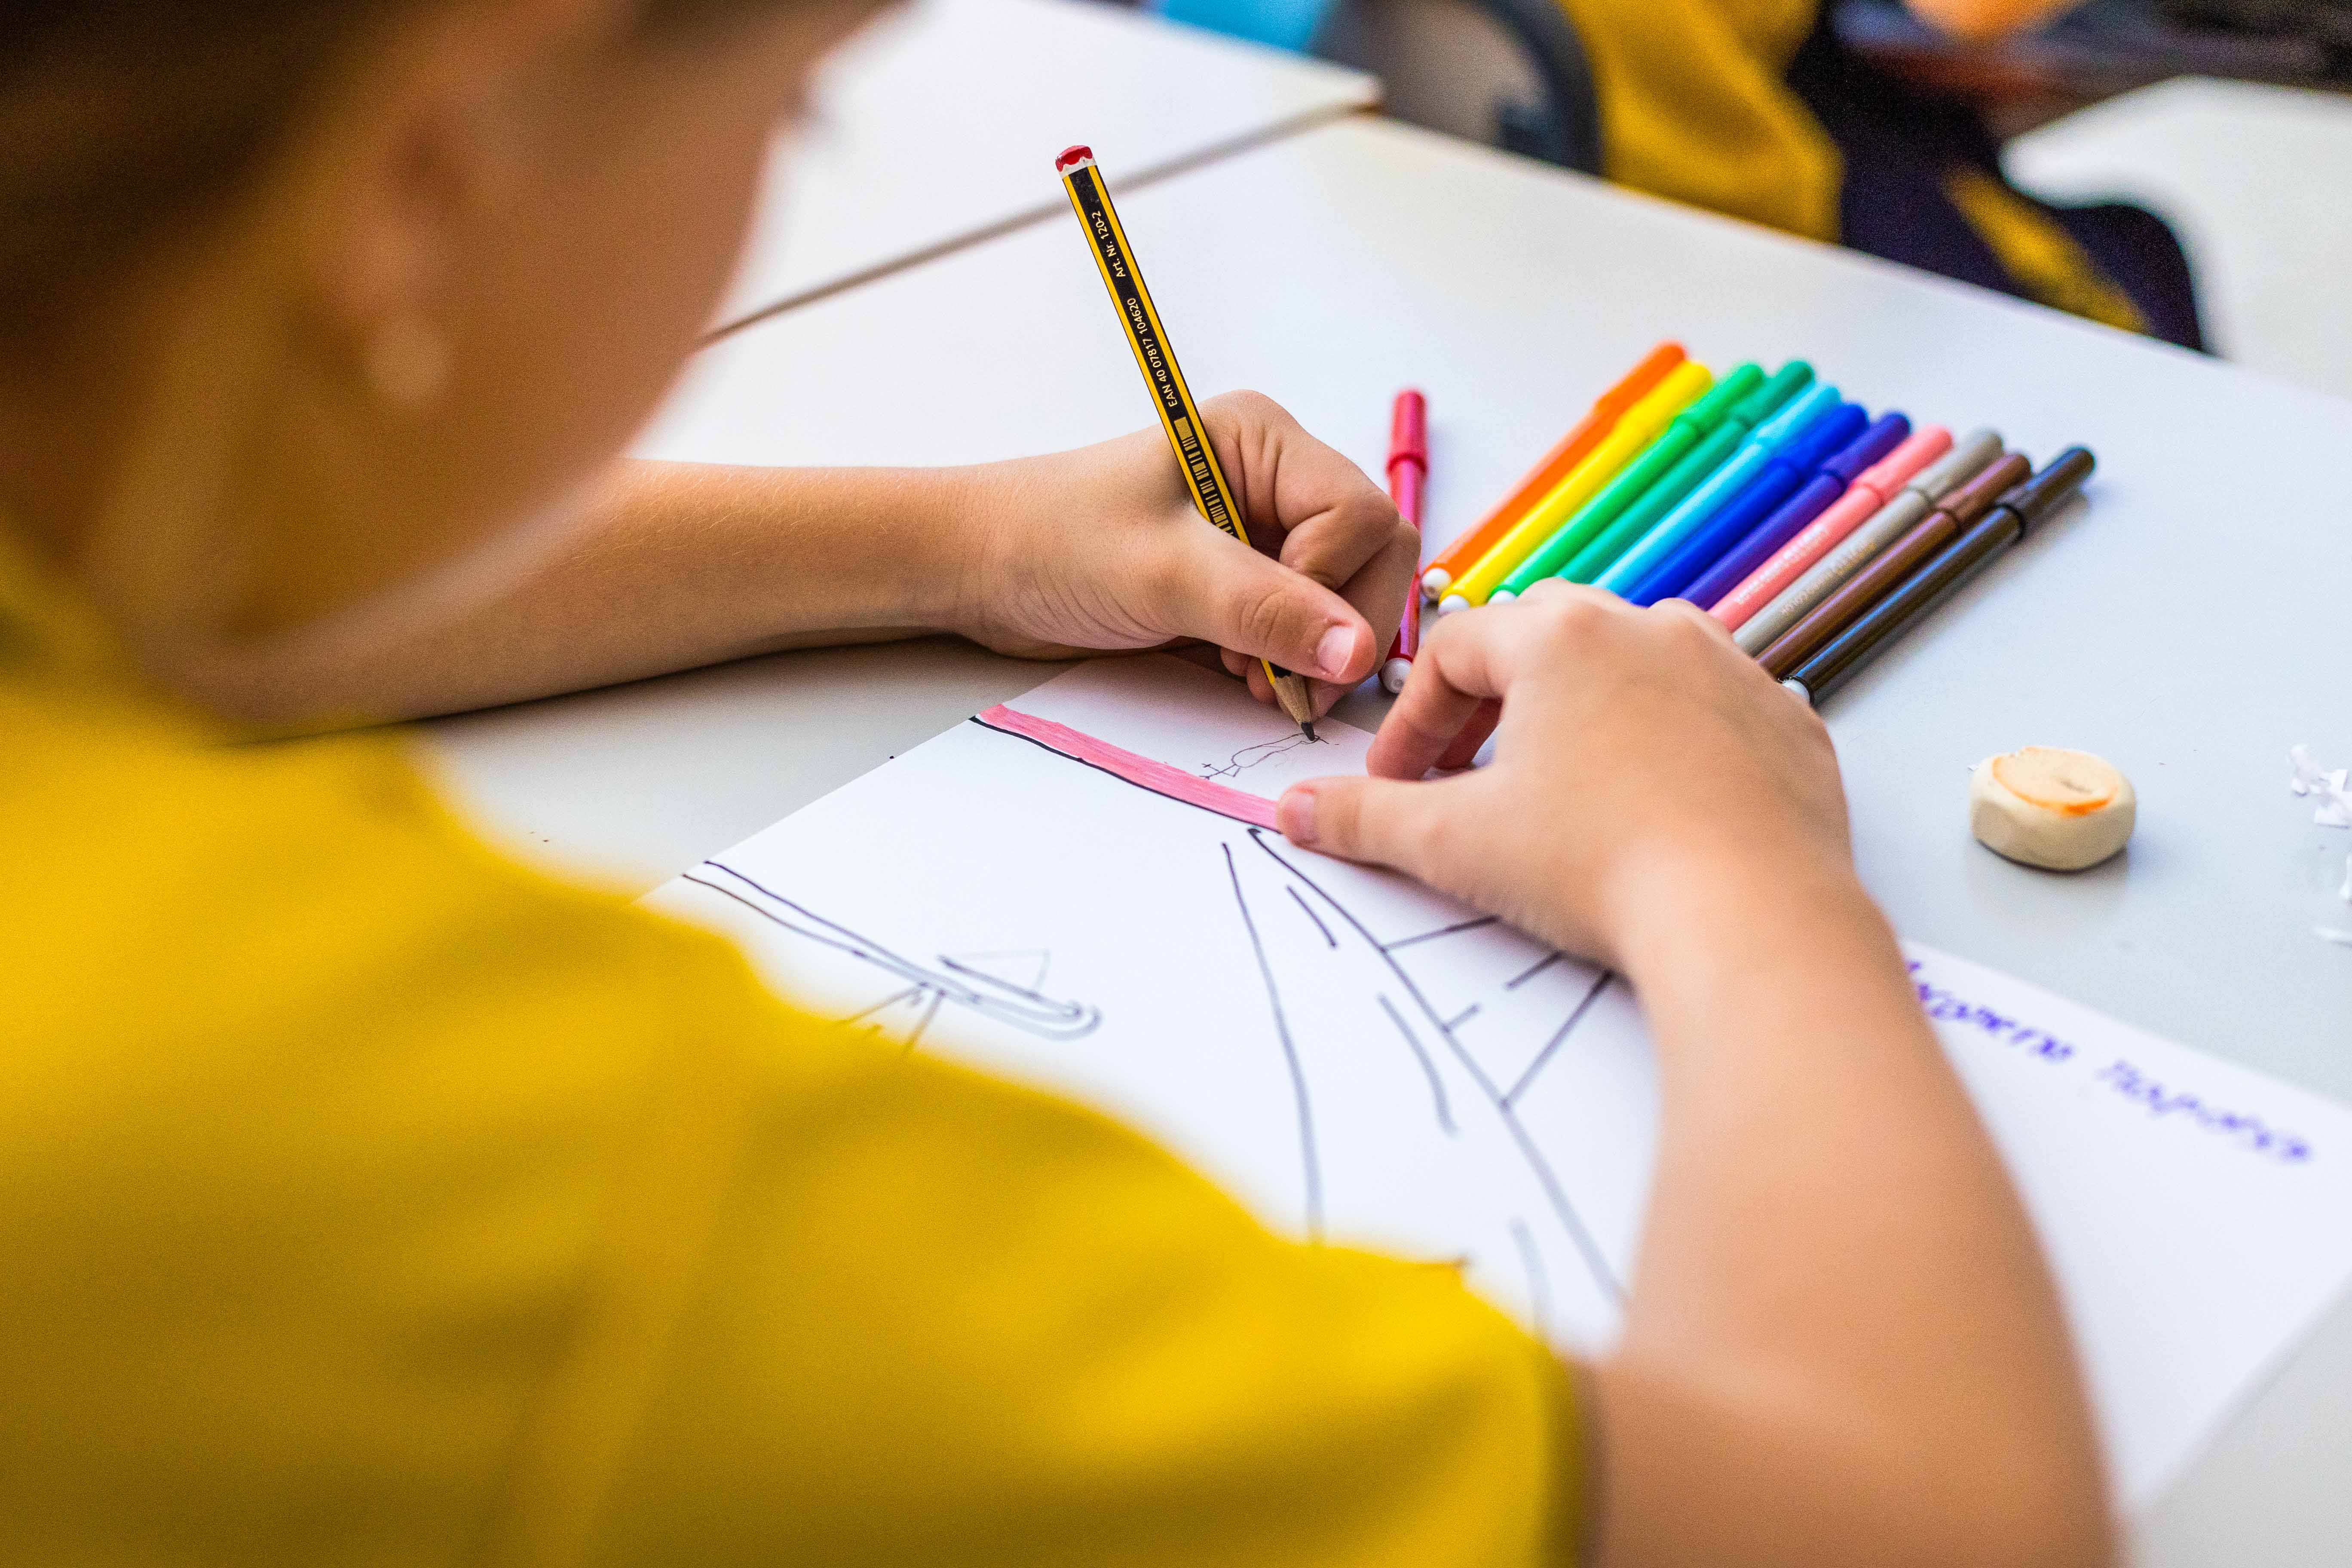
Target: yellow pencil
x: 1178, y: 418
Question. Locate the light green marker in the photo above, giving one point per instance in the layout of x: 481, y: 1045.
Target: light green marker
x: 1689, y: 427
x: 1703, y: 459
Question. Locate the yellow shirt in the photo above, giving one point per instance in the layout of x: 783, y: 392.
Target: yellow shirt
x: 365, y: 1198
x: 1695, y: 106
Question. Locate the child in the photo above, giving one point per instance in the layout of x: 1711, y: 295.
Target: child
x: 368, y: 1198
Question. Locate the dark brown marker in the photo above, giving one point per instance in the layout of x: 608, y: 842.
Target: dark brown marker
x: 1942, y: 576
x: 1890, y: 565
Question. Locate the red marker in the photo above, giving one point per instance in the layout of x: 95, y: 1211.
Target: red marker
x: 1408, y: 472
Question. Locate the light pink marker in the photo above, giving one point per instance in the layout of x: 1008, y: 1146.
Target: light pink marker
x: 1871, y: 488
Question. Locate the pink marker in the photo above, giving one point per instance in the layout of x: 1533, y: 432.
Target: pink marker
x: 1872, y: 490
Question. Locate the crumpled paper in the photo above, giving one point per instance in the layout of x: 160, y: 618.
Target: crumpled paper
x: 2334, y: 809
x: 2335, y: 801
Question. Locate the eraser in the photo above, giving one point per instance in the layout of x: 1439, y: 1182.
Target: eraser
x: 2045, y: 807
x: 1393, y: 675
x: 1435, y: 581
x: 1072, y: 157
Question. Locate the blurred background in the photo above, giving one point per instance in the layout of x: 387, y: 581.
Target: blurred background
x: 2182, y: 168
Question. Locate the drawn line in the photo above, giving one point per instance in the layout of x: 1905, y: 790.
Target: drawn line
x: 1559, y: 1035
x: 863, y: 1013
x: 1308, y: 910
x: 1538, y: 1285
x: 1434, y: 935
x: 1289, y: 1053
x: 1524, y: 975
x: 1036, y: 1014
x: 914, y: 1038
x: 1428, y: 1067
x: 1463, y: 1017
x: 1569, y: 1219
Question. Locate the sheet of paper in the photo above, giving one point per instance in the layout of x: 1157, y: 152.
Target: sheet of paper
x: 1081, y: 892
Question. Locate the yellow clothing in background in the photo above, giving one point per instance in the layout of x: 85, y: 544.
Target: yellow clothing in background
x: 1696, y: 107
x: 365, y: 1198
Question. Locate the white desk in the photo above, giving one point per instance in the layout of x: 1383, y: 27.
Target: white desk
x: 939, y: 127
x: 2257, y: 180
x: 1512, y: 296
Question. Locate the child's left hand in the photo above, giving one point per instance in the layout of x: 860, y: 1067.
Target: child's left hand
x: 1101, y: 550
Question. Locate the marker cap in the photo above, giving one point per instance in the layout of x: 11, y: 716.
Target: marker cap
x: 1885, y: 434
x: 1824, y: 437
x: 1811, y: 405
x: 1976, y: 498
x: 1784, y: 383
x: 1735, y: 387
x: 1968, y: 454
x: 1409, y: 429
x: 2060, y: 477
x: 1072, y: 157
x: 1890, y: 473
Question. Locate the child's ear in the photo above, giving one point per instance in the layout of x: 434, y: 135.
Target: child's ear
x: 439, y: 128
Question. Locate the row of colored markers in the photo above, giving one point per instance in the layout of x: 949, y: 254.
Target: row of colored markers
x: 1816, y: 533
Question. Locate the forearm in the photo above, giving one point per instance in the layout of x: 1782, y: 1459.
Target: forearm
x: 1840, y: 1312
x: 663, y: 567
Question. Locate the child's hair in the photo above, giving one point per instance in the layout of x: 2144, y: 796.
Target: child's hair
x: 121, y: 118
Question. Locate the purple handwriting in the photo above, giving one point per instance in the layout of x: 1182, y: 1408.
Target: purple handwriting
x: 1946, y: 1008
x: 2249, y: 1131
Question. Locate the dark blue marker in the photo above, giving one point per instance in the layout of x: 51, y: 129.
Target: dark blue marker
x: 1777, y: 478
x: 1813, y: 499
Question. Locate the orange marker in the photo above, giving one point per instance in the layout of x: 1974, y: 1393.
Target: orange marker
x: 1458, y: 557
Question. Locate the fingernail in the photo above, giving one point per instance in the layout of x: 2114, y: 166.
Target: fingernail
x: 1294, y: 814
x: 1331, y: 653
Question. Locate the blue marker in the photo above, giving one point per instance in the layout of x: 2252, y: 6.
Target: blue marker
x: 1798, y: 459
x: 1691, y: 514
x: 1812, y: 500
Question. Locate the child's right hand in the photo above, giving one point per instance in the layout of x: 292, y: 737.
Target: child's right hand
x: 1646, y: 773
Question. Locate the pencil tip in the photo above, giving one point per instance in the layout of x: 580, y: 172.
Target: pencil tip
x: 1308, y: 728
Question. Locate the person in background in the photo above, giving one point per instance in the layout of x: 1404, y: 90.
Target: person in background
x: 366, y: 1198
x: 1754, y: 109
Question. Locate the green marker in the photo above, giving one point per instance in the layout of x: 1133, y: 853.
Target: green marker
x: 1703, y: 459
x: 1689, y: 427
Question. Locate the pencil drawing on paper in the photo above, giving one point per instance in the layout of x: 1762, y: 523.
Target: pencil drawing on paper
x: 1250, y: 756
x: 1008, y: 987
x: 1333, y: 987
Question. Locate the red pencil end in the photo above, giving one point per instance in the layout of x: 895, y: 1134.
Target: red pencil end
x: 1072, y: 157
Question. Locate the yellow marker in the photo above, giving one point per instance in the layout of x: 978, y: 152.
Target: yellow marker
x: 1178, y: 415
x: 1642, y: 422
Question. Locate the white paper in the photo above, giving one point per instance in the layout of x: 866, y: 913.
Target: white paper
x: 1362, y: 1060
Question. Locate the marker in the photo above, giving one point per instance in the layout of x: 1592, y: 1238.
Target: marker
x: 1815, y: 496
x: 1702, y: 460
x: 1408, y: 476
x: 1718, y: 489
x: 1784, y: 473
x: 1893, y: 563
x: 1918, y: 595
x: 1571, y: 449
x: 1641, y: 426
x: 1870, y: 491
x: 1687, y: 430
x: 1180, y: 418
x: 1849, y: 555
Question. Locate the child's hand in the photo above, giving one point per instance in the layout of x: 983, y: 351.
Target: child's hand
x: 1644, y: 768
x: 1101, y: 548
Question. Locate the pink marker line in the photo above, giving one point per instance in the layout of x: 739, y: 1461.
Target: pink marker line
x: 1160, y: 778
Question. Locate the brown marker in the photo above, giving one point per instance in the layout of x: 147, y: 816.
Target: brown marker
x: 1892, y: 564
